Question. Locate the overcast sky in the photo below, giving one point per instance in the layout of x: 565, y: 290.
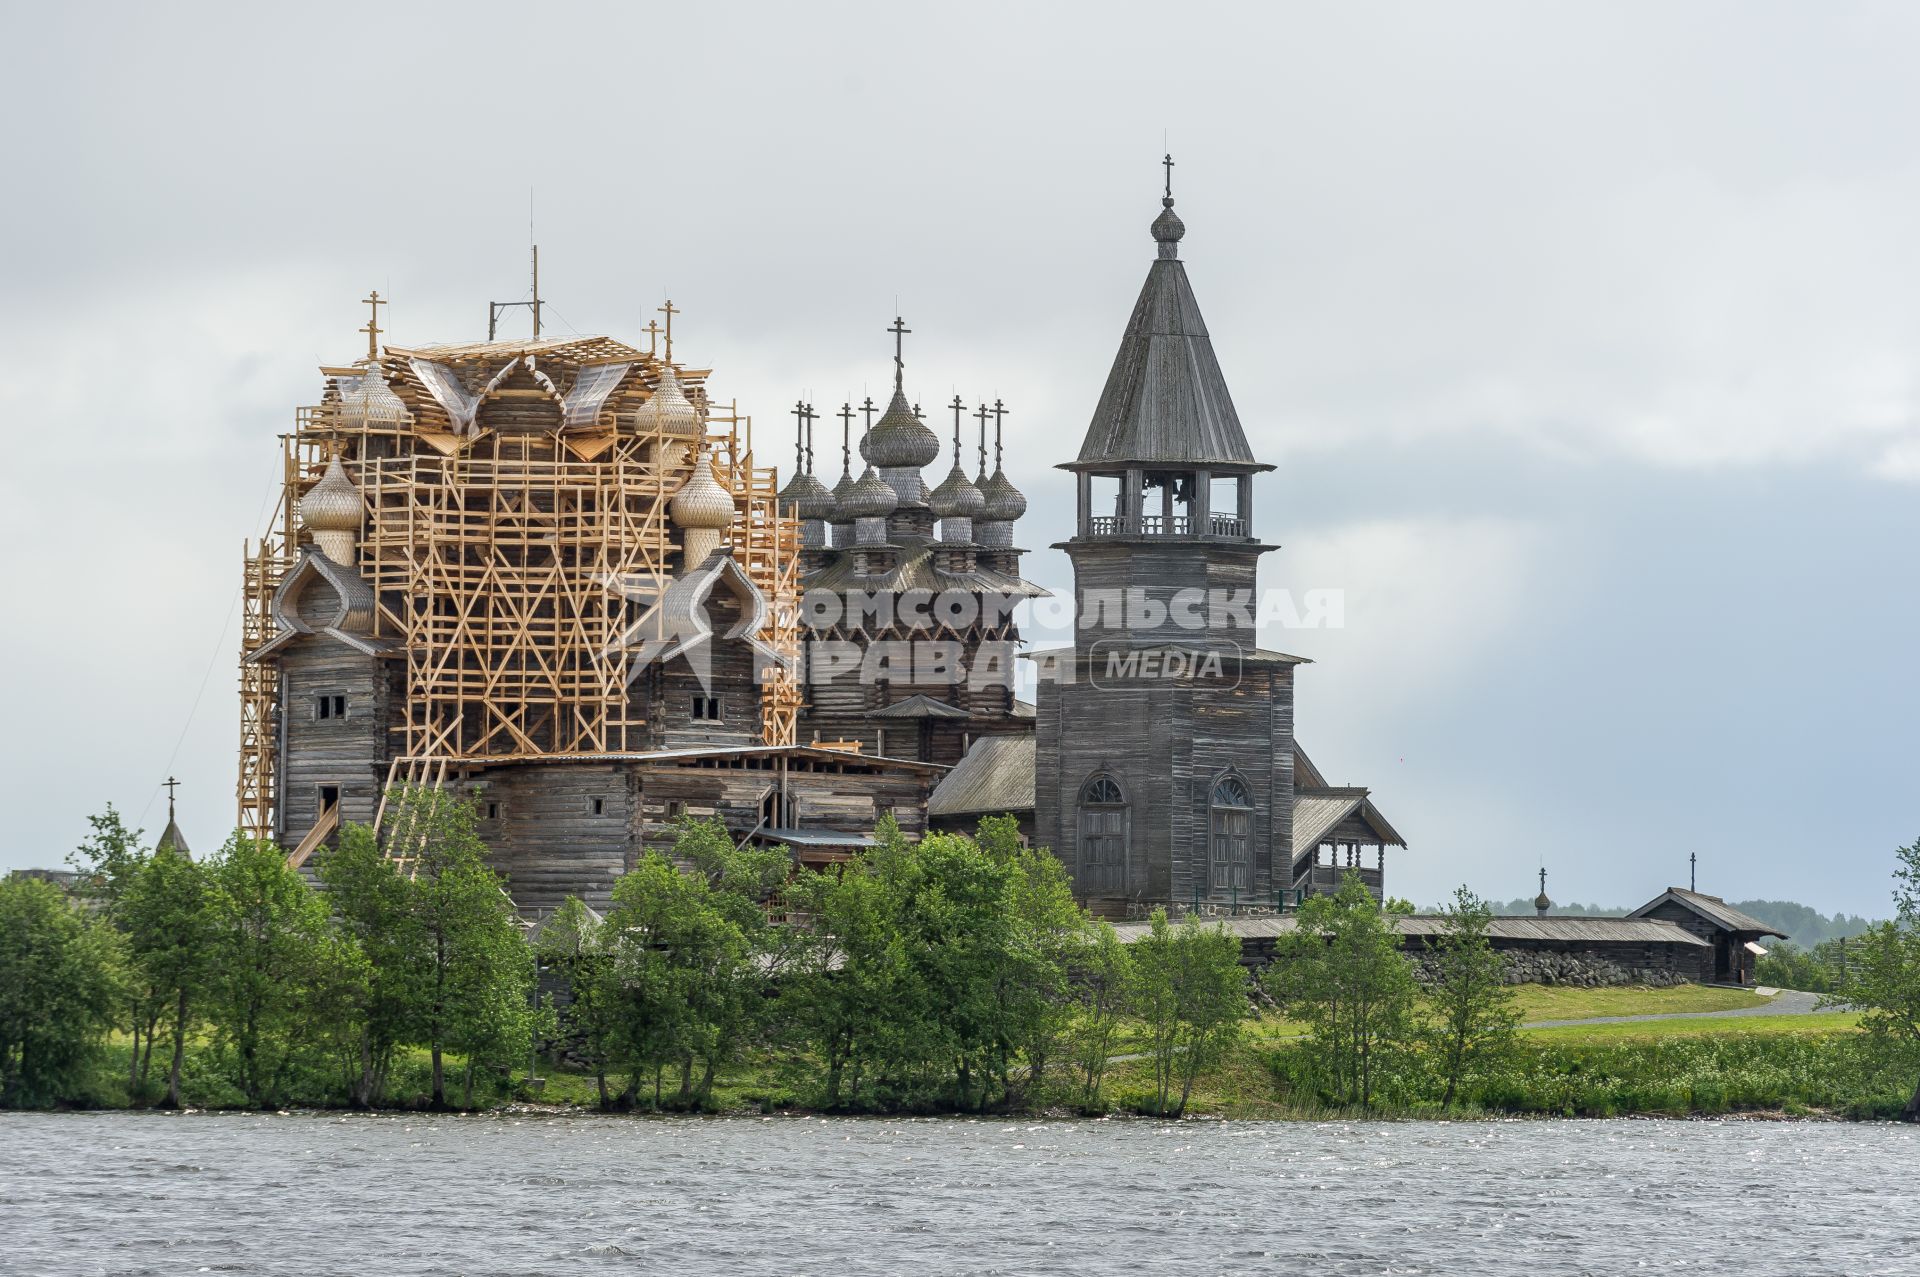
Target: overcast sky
x: 1585, y: 339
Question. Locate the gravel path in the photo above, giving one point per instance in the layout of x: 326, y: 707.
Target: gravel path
x: 1785, y: 1002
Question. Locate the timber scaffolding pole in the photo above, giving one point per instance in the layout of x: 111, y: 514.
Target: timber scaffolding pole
x: 501, y: 559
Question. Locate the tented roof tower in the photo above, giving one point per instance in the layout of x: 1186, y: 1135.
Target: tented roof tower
x: 1165, y: 400
x: 1165, y: 475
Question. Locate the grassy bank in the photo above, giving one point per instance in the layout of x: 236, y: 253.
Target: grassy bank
x: 1798, y: 1065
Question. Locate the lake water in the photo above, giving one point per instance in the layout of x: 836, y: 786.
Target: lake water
x: 368, y: 1196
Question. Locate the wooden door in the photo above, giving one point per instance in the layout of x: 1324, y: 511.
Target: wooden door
x: 1232, y: 851
x: 1103, y: 850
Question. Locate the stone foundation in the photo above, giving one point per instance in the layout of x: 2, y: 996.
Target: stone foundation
x: 1582, y: 970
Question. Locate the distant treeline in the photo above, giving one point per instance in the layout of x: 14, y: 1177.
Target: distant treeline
x: 1808, y: 927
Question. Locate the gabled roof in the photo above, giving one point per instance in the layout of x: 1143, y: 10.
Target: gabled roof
x: 1305, y: 774
x: 1318, y: 812
x: 1165, y: 401
x: 995, y: 778
x: 1712, y: 908
x: 921, y: 706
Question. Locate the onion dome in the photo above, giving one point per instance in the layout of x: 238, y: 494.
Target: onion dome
x: 1168, y: 228
x: 370, y: 401
x: 956, y: 497
x: 1004, y: 502
x: 701, y: 501
x: 900, y: 440
x: 871, y: 498
x: 668, y: 409
x: 841, y: 491
x: 807, y: 497
x: 793, y: 494
x: 333, y: 504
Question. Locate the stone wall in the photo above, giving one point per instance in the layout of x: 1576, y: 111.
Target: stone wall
x: 1587, y: 969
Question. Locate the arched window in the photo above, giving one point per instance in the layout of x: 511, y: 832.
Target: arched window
x: 1230, y: 824
x: 1103, y: 836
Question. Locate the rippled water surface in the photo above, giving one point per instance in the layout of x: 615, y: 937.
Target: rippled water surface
x: 120, y: 1193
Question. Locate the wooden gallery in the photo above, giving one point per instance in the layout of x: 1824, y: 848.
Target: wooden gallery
x: 553, y: 573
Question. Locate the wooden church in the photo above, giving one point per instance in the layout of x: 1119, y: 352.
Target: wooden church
x: 553, y: 574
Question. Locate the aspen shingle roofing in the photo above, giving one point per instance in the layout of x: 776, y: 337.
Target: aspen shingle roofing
x: 1712, y: 908
x: 995, y: 777
x: 1165, y: 400
x: 1615, y: 930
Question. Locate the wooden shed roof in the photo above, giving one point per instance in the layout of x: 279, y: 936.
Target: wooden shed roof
x: 995, y: 777
x: 1318, y: 812
x: 1590, y: 930
x: 1712, y: 908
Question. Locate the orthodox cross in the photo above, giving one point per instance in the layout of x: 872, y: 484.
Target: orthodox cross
x: 171, y: 785
x: 1168, y: 163
x: 999, y: 411
x: 653, y: 336
x: 1543, y: 880
x: 958, y: 409
x: 373, y: 329
x: 899, y: 331
x: 669, y: 310
x: 867, y: 408
x: 917, y: 414
x: 1693, y: 872
x: 808, y: 417
x: 983, y: 449
x: 846, y: 436
x: 799, y: 431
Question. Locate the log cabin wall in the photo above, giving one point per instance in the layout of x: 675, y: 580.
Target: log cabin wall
x: 557, y: 829
x: 322, y: 748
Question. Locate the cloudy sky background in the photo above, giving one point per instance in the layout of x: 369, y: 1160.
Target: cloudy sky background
x: 1585, y: 339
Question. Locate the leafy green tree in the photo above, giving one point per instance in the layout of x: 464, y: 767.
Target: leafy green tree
x: 106, y: 863
x: 166, y: 913
x: 849, y: 993
x: 1033, y: 982
x: 374, y: 908
x: 1191, y: 996
x: 1471, y: 1003
x: 106, y: 859
x: 275, y: 966
x: 1882, y: 974
x: 571, y: 943
x: 1103, y: 993
x: 656, y: 942
x: 476, y: 967
x: 61, y: 980
x: 1342, y: 972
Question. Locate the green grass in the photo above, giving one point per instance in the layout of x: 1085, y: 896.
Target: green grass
x: 1814, y: 1024
x: 1562, y: 1002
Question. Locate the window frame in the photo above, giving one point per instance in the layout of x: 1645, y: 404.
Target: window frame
x: 1222, y: 867
x: 1093, y: 799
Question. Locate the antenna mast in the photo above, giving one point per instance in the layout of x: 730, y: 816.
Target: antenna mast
x: 495, y: 309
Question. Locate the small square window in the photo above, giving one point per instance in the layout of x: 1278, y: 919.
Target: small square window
x: 707, y: 708
x: 493, y: 811
x: 330, y: 706
x: 599, y: 806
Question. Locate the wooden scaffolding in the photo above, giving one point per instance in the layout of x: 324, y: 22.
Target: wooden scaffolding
x: 511, y: 542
